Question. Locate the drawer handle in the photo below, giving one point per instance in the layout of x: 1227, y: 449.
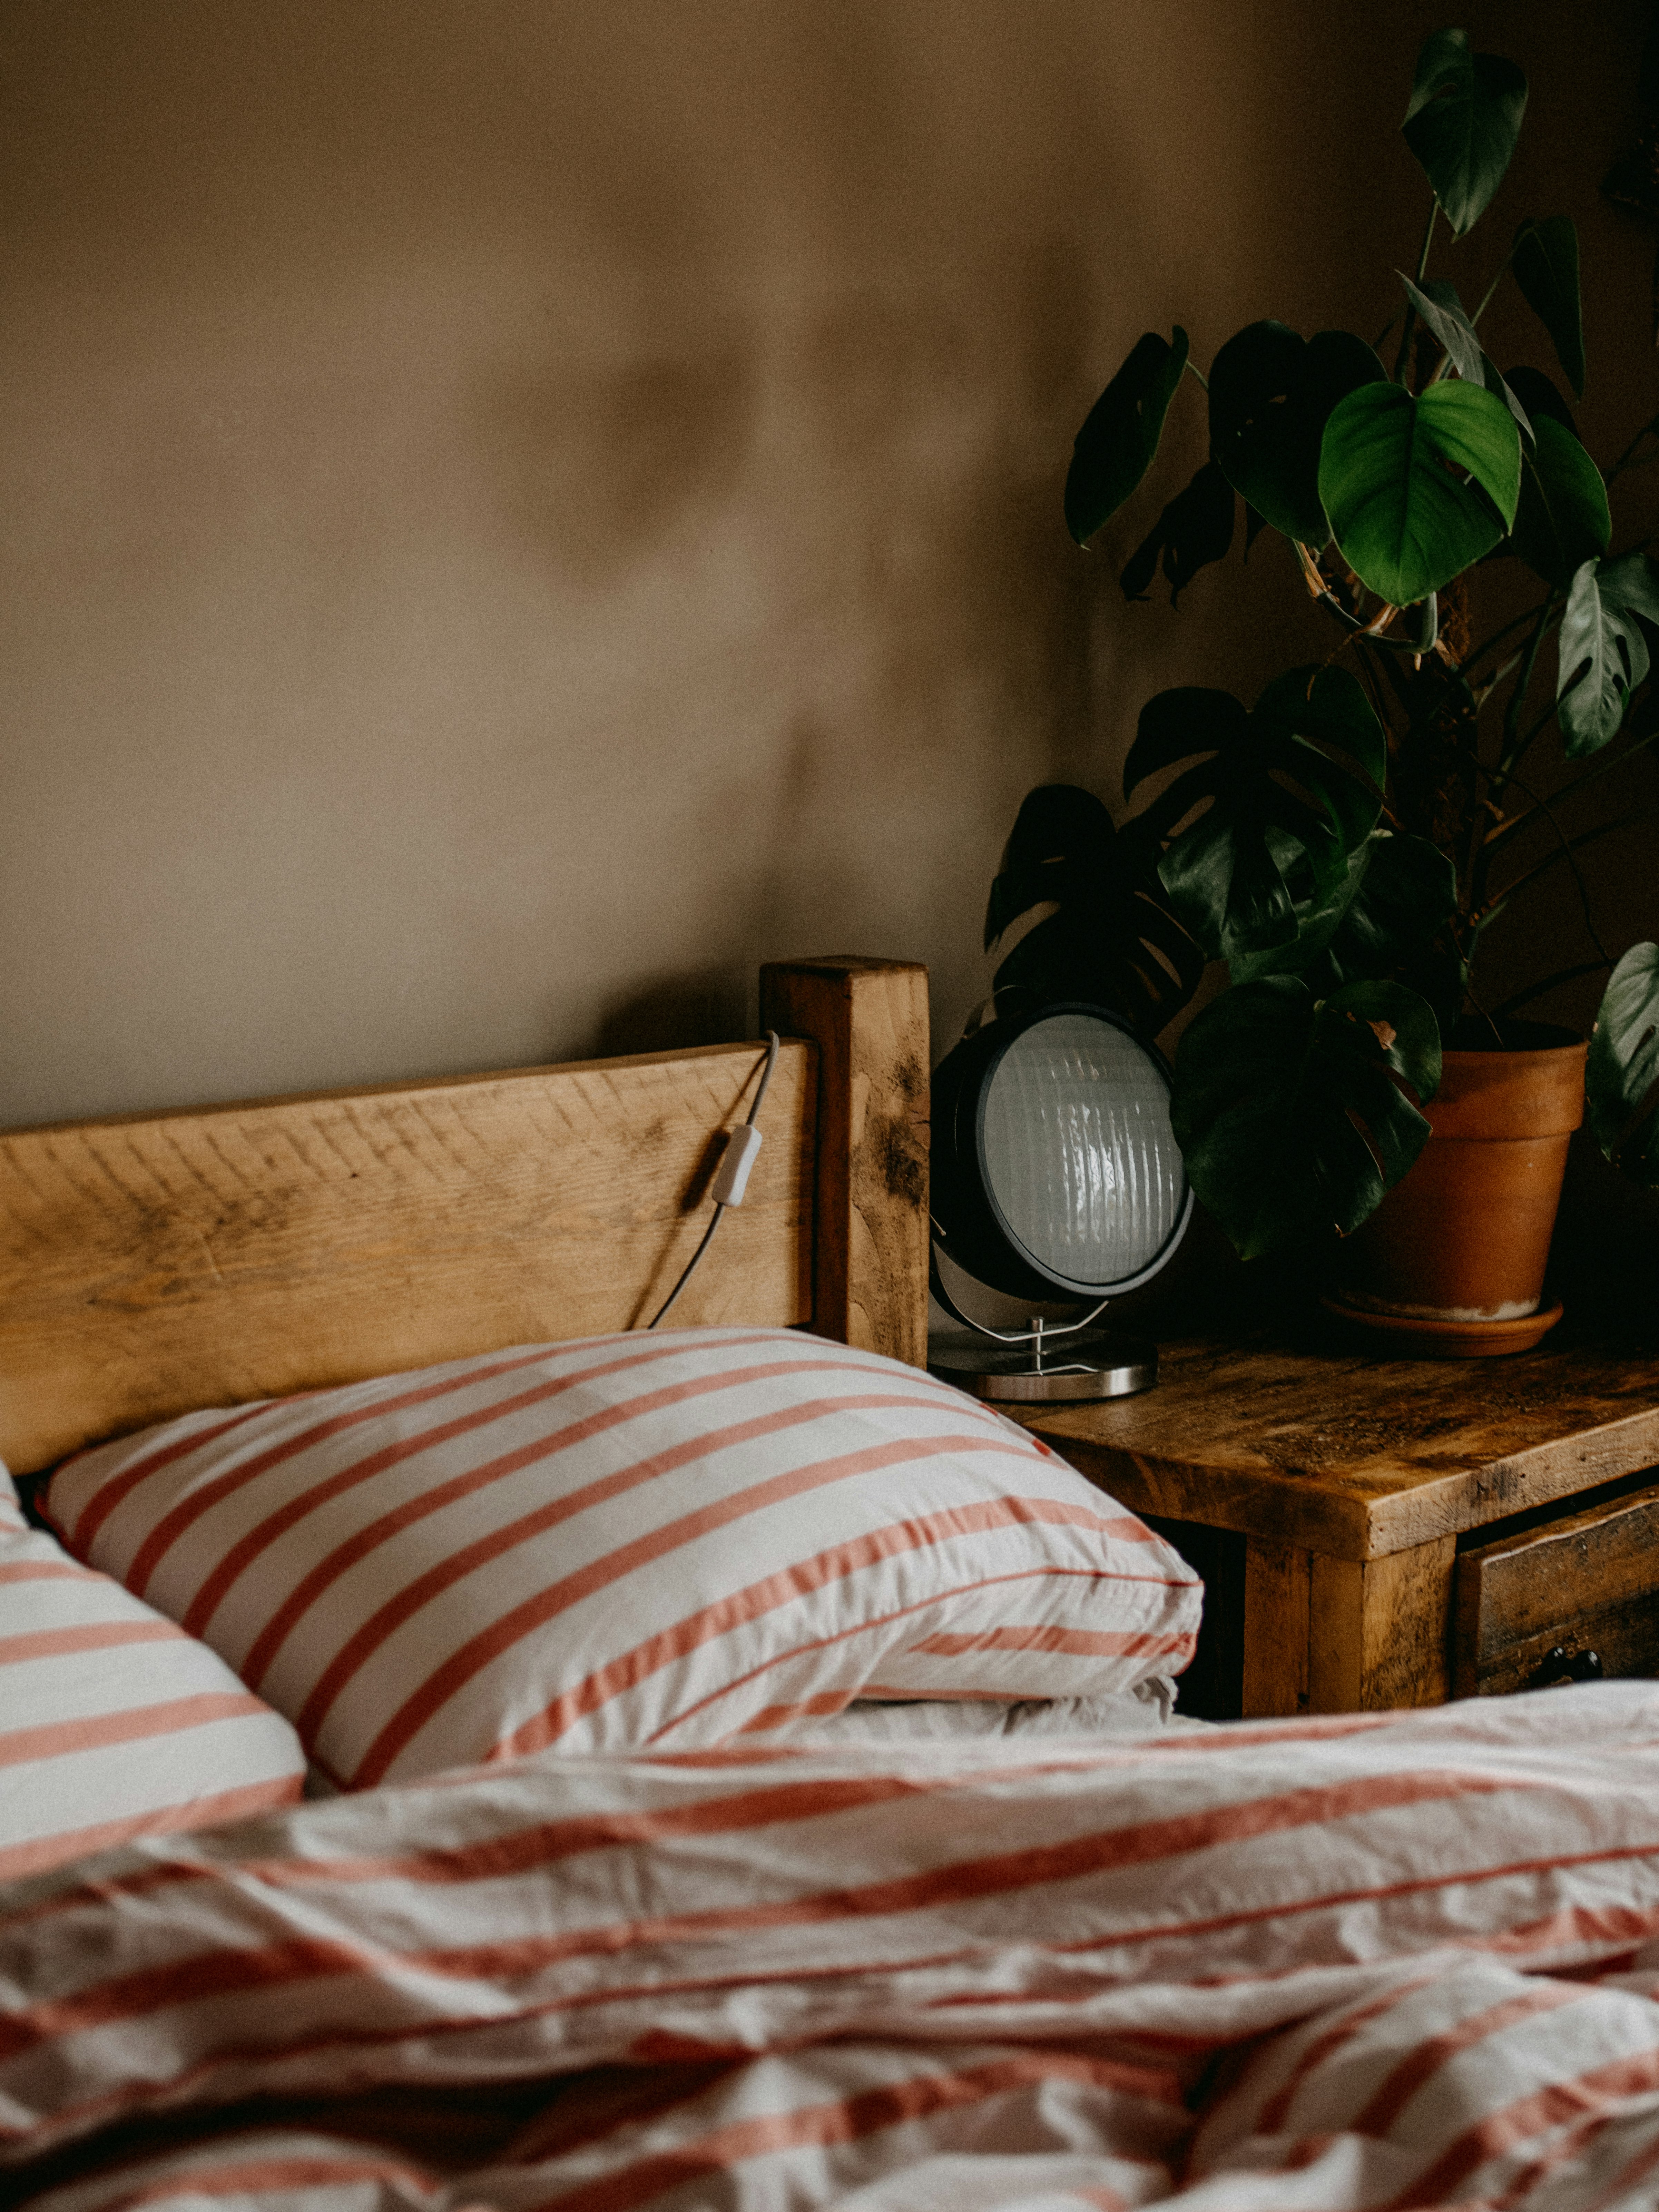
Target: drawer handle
x: 1561, y: 1666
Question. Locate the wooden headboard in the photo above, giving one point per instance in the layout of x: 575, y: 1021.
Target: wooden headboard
x: 153, y: 1263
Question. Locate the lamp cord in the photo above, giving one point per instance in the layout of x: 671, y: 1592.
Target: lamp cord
x: 719, y: 1209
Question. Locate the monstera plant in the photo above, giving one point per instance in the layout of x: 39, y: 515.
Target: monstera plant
x: 1345, y: 842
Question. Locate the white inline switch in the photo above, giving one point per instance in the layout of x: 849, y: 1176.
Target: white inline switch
x: 731, y: 1176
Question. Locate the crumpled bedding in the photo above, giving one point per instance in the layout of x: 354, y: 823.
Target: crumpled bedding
x: 1389, y: 1959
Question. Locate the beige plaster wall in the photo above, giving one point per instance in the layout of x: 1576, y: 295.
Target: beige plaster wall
x: 514, y: 513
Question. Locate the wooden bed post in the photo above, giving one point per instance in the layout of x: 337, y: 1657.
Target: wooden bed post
x: 869, y: 1021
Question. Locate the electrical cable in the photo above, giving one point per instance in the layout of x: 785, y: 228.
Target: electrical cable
x: 731, y: 1174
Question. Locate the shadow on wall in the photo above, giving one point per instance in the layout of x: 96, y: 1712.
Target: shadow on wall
x: 703, y: 1005
x: 593, y: 463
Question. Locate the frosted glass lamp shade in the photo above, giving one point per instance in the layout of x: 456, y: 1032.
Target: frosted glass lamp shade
x: 1056, y: 1169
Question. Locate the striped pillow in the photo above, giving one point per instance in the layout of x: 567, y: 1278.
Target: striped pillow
x: 622, y: 1541
x: 114, y: 1723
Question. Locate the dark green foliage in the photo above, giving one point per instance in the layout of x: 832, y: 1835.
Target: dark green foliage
x: 1388, y: 475
x: 1439, y: 306
x: 1624, y: 1067
x: 1195, y: 529
x: 1111, y: 939
x: 1540, y: 397
x: 1345, y: 845
x: 1285, y: 1110
x: 1604, y: 652
x: 1562, y: 518
x: 1394, y: 894
x: 1546, y: 265
x: 1462, y: 123
x: 1271, y: 396
x: 1297, y: 782
x: 1115, y: 445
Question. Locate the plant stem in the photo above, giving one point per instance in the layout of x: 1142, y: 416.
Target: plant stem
x: 1190, y: 363
x: 1519, y: 999
x: 1367, y: 664
x: 1531, y: 735
x: 1486, y: 297
x: 1498, y: 635
x: 1403, y: 356
x: 1507, y: 757
x: 1648, y: 430
x: 1504, y: 831
x: 1568, y: 853
x: 1605, y: 767
x: 1469, y: 994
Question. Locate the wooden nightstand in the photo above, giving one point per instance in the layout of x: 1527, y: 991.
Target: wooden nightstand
x: 1381, y: 1532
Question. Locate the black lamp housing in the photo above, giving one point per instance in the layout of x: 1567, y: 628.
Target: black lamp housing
x: 971, y: 1225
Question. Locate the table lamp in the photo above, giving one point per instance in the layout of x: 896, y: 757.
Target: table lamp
x: 1055, y: 1175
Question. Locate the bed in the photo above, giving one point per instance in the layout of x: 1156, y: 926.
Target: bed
x: 680, y: 1946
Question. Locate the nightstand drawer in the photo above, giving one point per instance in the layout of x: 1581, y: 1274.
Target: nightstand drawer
x: 1528, y: 1606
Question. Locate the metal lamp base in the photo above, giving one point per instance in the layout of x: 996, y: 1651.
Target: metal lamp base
x: 1093, y: 1365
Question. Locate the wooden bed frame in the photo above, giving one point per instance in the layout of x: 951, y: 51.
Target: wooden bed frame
x: 153, y: 1263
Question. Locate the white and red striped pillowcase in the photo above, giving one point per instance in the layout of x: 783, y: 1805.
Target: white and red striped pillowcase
x: 114, y: 1723
x: 625, y: 1541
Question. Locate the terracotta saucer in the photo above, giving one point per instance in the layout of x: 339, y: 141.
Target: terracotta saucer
x: 1450, y: 1340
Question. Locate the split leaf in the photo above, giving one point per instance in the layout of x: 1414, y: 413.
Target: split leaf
x: 1394, y: 894
x: 1286, y: 1110
x: 1289, y: 789
x: 1604, y: 653
x: 1623, y: 1068
x: 1115, y: 448
x: 1110, y: 938
x: 1195, y: 529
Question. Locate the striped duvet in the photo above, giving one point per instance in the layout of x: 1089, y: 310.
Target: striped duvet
x: 1401, y: 1961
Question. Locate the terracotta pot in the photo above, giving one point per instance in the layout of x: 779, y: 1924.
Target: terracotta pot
x: 1465, y: 1235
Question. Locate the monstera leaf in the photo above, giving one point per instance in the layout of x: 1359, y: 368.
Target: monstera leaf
x: 1393, y: 895
x: 1294, y: 786
x: 1540, y: 397
x: 1195, y: 528
x: 1115, y: 448
x: 1286, y: 1111
x: 1440, y: 308
x: 1111, y: 938
x: 1603, y: 650
x: 1546, y: 265
x: 1271, y: 396
x: 1561, y: 519
x: 1462, y: 123
x: 1390, y: 475
x: 1623, y: 1067
x: 1506, y: 391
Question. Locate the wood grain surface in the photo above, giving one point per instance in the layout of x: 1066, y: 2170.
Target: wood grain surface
x: 1277, y: 1633
x: 1588, y: 1582
x: 1356, y: 1456
x: 1378, y: 1628
x: 869, y: 1021
x: 149, y: 1265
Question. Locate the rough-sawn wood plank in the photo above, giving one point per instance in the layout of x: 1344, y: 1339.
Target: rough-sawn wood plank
x: 153, y: 1264
x: 1357, y: 1456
